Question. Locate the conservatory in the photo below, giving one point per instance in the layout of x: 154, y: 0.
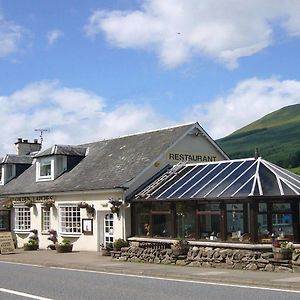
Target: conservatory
x: 238, y: 201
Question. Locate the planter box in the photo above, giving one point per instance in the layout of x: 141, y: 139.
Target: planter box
x: 64, y: 248
x: 28, y: 247
x: 105, y: 252
x: 282, y: 253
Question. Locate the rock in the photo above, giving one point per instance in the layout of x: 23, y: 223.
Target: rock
x: 269, y: 268
x: 195, y: 248
x: 251, y: 266
x: 206, y: 265
x: 166, y: 262
x: 223, y: 253
x: 283, y: 269
x: 262, y: 260
x: 229, y: 252
x: 229, y: 261
x: 195, y: 264
x: 181, y: 262
x: 157, y: 260
x: 238, y: 266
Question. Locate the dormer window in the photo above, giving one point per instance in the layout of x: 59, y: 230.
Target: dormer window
x: 7, y: 172
x: 50, y: 167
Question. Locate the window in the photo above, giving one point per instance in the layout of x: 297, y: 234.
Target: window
x: 4, y: 220
x: 45, y: 219
x: 185, y: 220
x: 209, y: 223
x: 22, y: 219
x: 45, y: 168
x: 1, y: 174
x: 142, y: 221
x: 70, y: 221
x: 9, y: 172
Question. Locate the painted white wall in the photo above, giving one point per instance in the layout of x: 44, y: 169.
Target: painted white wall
x: 81, y: 242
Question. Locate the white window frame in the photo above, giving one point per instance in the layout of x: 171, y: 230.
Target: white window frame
x: 4, y: 170
x: 22, y: 212
x: 53, y: 160
x: 2, y: 173
x: 46, y: 219
x: 66, y: 216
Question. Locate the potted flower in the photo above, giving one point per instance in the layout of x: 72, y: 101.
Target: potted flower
x: 31, y: 245
x: 48, y: 204
x: 8, y: 205
x: 105, y: 250
x: 90, y: 209
x: 180, y: 247
x: 82, y: 205
x: 282, y: 250
x: 29, y: 203
x: 64, y: 246
x: 33, y: 242
x: 120, y: 243
x: 53, y: 238
x: 115, y: 206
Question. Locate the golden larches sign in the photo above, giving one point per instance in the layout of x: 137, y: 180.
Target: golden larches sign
x: 191, y: 157
x: 35, y: 199
x: 6, y: 243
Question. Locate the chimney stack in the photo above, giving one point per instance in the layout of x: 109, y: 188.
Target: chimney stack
x: 24, y: 147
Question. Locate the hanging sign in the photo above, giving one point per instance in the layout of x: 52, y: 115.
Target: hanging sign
x: 6, y: 243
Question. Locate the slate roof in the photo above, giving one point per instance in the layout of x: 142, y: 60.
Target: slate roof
x: 232, y: 179
x: 16, y: 159
x: 109, y: 164
x: 68, y: 150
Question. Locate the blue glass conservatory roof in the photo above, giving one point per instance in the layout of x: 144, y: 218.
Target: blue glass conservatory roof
x: 231, y: 179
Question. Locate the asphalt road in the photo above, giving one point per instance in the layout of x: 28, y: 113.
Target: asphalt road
x: 59, y: 284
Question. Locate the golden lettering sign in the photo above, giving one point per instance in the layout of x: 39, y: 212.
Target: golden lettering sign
x: 36, y: 199
x: 6, y: 243
x: 191, y: 157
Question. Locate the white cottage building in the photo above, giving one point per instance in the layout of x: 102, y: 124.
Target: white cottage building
x: 82, y: 180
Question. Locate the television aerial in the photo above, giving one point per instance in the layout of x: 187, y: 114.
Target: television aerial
x: 42, y: 130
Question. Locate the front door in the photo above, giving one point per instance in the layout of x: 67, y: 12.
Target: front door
x: 108, y: 228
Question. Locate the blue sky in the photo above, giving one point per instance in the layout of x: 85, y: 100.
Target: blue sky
x: 95, y: 69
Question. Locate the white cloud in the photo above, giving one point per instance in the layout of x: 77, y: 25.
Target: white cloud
x: 248, y: 101
x: 74, y: 116
x: 177, y: 30
x: 10, y: 36
x: 53, y: 36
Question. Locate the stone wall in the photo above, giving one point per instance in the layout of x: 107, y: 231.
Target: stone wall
x: 210, y: 257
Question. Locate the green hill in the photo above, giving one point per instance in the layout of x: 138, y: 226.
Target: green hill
x: 276, y: 135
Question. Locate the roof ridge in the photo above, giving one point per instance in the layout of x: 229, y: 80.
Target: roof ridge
x: 141, y: 132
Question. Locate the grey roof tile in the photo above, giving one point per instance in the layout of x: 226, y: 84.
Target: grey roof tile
x: 109, y: 164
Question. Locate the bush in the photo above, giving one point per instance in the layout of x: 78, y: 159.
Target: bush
x: 119, y: 243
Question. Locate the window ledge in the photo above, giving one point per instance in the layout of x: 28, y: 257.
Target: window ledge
x: 70, y: 234
x: 22, y: 231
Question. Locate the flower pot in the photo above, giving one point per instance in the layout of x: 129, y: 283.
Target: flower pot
x: 282, y: 253
x: 31, y: 247
x: 63, y: 248
x: 105, y: 252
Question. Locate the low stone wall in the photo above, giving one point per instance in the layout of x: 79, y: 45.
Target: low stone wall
x: 210, y: 257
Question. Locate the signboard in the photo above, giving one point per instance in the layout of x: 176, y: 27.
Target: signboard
x: 191, y: 157
x: 35, y: 199
x: 6, y: 243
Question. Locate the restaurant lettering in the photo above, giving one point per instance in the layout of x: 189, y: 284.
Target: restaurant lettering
x: 36, y: 199
x: 191, y: 157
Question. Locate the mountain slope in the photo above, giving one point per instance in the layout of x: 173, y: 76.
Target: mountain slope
x: 276, y: 135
